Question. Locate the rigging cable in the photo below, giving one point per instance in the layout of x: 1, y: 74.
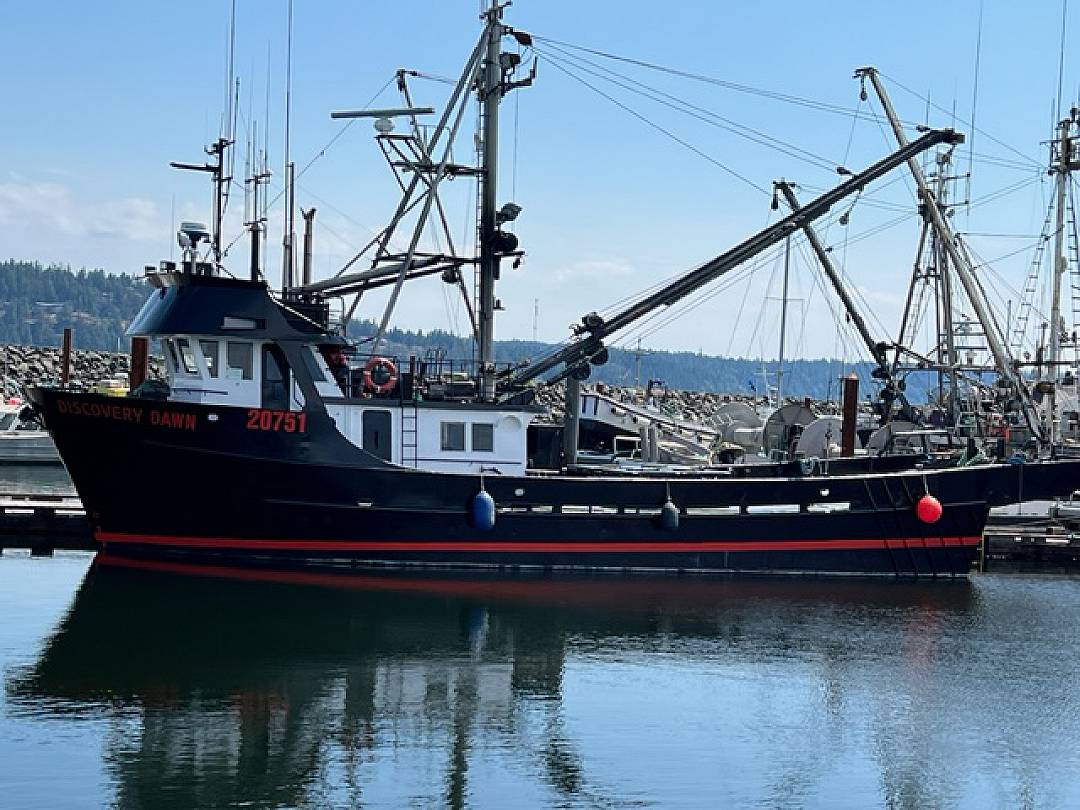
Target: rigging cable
x: 663, y: 130
x: 1026, y: 158
x: 840, y: 337
x: 742, y: 303
x: 702, y: 114
x: 768, y: 289
x: 786, y: 97
x: 974, y: 105
x: 742, y: 88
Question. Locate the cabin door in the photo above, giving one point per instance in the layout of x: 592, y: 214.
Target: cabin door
x: 275, y: 379
x: 376, y: 438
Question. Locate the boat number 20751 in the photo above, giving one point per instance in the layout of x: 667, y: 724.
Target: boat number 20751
x: 281, y: 421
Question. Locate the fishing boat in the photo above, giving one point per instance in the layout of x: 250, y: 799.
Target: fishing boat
x: 277, y: 440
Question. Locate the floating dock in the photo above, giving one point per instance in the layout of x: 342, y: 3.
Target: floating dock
x: 44, y: 523
x: 1037, y: 544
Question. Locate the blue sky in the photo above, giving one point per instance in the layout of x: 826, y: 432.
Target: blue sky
x: 99, y: 97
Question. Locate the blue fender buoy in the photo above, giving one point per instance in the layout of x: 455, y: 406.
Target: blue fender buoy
x: 483, y: 511
x: 669, y: 515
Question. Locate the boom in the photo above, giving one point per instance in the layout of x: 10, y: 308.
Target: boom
x: 594, y: 329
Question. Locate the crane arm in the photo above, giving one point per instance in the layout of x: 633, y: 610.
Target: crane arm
x: 594, y: 329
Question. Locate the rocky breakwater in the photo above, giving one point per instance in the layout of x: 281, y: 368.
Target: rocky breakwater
x: 689, y: 406
x: 22, y: 366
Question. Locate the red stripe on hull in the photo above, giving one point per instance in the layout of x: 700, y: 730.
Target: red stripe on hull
x: 549, y: 547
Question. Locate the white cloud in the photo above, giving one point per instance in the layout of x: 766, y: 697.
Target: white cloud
x: 130, y: 218
x: 50, y: 210
x: 595, y: 269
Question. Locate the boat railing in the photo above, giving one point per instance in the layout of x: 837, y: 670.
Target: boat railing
x: 414, y: 378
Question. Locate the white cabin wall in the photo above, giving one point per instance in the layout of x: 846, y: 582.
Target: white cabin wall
x: 510, y: 436
x: 510, y: 442
x: 348, y: 418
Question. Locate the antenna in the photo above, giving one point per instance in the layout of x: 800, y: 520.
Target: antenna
x: 287, y: 239
x: 974, y: 106
x: 258, y: 174
x: 172, y: 220
x: 265, y: 158
x: 536, y: 317
x: 230, y: 108
x: 1061, y: 59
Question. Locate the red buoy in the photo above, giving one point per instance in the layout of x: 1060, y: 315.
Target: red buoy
x: 928, y: 509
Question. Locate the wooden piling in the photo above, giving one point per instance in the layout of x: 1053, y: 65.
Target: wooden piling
x: 850, y: 411
x: 140, y: 358
x: 65, y: 357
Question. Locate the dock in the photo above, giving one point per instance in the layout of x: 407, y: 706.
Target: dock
x: 44, y: 523
x: 1036, y: 544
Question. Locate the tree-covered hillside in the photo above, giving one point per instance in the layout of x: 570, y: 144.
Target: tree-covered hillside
x: 37, y: 302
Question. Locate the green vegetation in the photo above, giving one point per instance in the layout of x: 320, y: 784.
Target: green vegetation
x: 37, y: 302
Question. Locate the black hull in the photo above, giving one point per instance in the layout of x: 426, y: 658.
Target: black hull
x: 174, y: 482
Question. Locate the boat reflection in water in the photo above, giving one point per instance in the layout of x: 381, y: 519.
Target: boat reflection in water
x: 224, y: 685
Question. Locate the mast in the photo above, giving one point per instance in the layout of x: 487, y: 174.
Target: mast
x: 1060, y: 171
x: 216, y: 170
x: 258, y: 176
x: 947, y: 240
x: 252, y: 199
x: 490, y: 93
x: 945, y: 325
x: 289, y: 238
x: 289, y: 242
x: 1061, y: 167
x: 221, y: 184
x: 783, y: 325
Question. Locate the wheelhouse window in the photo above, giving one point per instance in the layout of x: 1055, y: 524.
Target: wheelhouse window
x: 312, y: 364
x: 170, y: 354
x: 210, y: 354
x: 187, y: 357
x: 483, y: 437
x: 239, y: 360
x: 452, y: 436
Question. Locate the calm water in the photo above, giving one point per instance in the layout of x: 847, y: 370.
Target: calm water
x: 183, y: 688
x: 39, y: 478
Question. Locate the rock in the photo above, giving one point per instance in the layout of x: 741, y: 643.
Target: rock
x: 30, y: 365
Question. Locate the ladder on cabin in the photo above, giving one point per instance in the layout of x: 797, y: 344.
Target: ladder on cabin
x: 409, y: 433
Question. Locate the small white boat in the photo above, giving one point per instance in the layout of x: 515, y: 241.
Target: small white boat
x: 23, y: 441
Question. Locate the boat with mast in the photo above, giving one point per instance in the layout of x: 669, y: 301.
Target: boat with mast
x: 278, y: 440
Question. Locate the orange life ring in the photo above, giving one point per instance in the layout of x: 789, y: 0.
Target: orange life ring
x: 380, y: 375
